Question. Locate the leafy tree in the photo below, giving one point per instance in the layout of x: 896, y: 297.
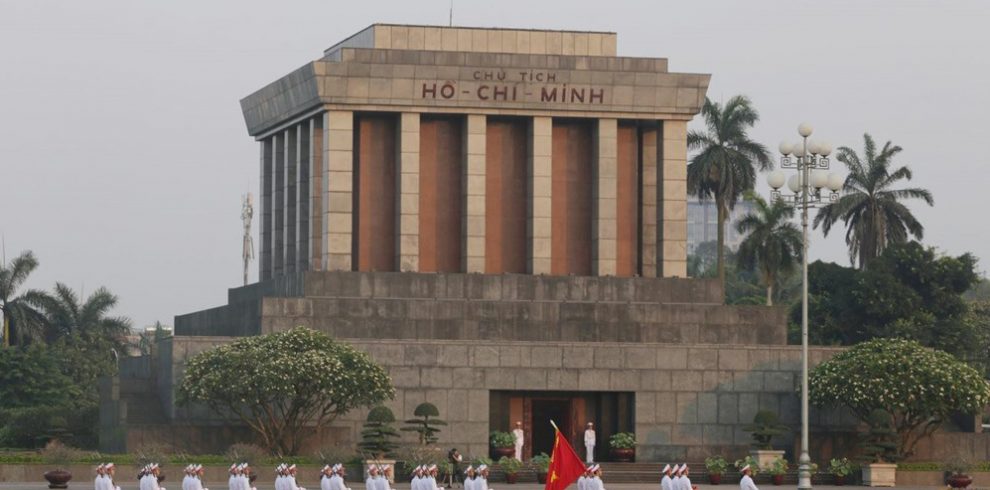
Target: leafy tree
x: 282, y: 385
x: 909, y: 291
x: 22, y: 320
x: 871, y: 210
x: 427, y: 425
x: 773, y: 243
x: 148, y: 339
x: 917, y: 387
x: 378, y: 436
x: 32, y: 376
x: 725, y: 164
x: 89, y: 320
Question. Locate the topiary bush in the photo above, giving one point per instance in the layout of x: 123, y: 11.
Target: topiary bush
x: 764, y: 428
x: 427, y: 424
x: 378, y: 436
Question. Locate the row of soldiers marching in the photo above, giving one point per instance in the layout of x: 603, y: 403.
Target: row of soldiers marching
x: 592, y: 479
x: 104, y: 477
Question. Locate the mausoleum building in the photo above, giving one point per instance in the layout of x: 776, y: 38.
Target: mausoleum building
x: 498, y: 216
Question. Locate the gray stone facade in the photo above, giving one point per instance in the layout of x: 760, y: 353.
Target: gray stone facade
x: 691, y: 400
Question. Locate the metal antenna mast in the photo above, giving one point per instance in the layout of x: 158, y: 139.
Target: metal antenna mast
x: 247, y: 215
x: 450, y: 21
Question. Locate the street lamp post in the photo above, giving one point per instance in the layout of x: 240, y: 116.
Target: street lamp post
x: 810, y: 159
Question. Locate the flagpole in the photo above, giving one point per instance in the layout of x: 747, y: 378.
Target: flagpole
x: 554, y: 426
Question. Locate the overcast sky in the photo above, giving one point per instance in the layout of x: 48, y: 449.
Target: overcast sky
x: 124, y: 155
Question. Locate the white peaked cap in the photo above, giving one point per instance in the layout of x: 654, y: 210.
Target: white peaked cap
x: 744, y: 468
x: 198, y: 467
x: 482, y: 467
x: 372, y: 467
x: 109, y: 465
x: 469, y: 468
x: 684, y: 467
x: 676, y: 469
x: 432, y: 467
x: 596, y: 468
x: 292, y: 467
x: 665, y: 469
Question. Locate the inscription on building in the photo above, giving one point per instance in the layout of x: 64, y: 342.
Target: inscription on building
x: 513, y: 86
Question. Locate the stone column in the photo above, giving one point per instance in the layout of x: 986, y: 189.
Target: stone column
x: 278, y: 206
x: 674, y: 200
x: 649, y: 151
x: 408, y: 185
x: 539, y: 188
x: 605, y: 188
x: 291, y: 215
x: 302, y: 196
x: 316, y: 208
x: 338, y: 182
x: 474, y: 182
x: 266, y: 224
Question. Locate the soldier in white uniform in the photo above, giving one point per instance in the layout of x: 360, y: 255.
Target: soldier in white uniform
x: 98, y: 482
x: 197, y: 483
x: 337, y: 479
x: 290, y: 480
x: 685, y: 481
x: 417, y: 478
x: 384, y: 476
x: 469, y: 478
x: 481, y: 481
x: 746, y: 482
x: 431, y: 478
x: 520, y: 439
x: 369, y: 483
x: 589, y: 443
x: 582, y: 481
x: 232, y: 483
x: 110, y: 470
x: 187, y: 471
x: 325, y: 474
x: 665, y: 481
x: 595, y: 482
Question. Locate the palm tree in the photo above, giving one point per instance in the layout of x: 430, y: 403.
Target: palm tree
x: 22, y: 320
x: 773, y: 243
x: 88, y: 320
x: 869, y: 207
x: 725, y: 164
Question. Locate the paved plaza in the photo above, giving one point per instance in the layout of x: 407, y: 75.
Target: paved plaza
x: 405, y: 486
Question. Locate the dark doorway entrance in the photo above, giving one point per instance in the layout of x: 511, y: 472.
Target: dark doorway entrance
x: 545, y: 410
x: 610, y: 411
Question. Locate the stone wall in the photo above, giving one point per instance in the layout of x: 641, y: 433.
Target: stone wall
x: 690, y: 400
x: 384, y: 305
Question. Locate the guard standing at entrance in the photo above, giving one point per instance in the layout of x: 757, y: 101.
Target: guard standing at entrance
x: 520, y: 439
x: 589, y: 443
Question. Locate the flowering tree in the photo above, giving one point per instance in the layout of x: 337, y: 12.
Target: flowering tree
x: 284, y: 385
x: 916, y: 386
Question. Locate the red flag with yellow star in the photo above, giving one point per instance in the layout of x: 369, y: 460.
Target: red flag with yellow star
x: 565, y: 464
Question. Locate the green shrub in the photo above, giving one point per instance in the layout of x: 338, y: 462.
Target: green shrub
x: 754, y: 465
x: 541, y: 462
x: 716, y: 465
x: 777, y: 467
x: 378, y: 436
x: 509, y: 465
x: 840, y: 467
x: 499, y: 439
x: 427, y: 424
x: 622, y: 440
x: 245, y: 453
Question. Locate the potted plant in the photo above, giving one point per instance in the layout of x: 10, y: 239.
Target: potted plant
x: 879, y: 447
x: 764, y: 428
x: 503, y: 444
x: 716, y: 466
x: 623, y: 446
x: 840, y: 468
x: 511, y: 468
x: 58, y: 456
x: 957, y: 470
x: 777, y: 469
x: 542, y: 464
